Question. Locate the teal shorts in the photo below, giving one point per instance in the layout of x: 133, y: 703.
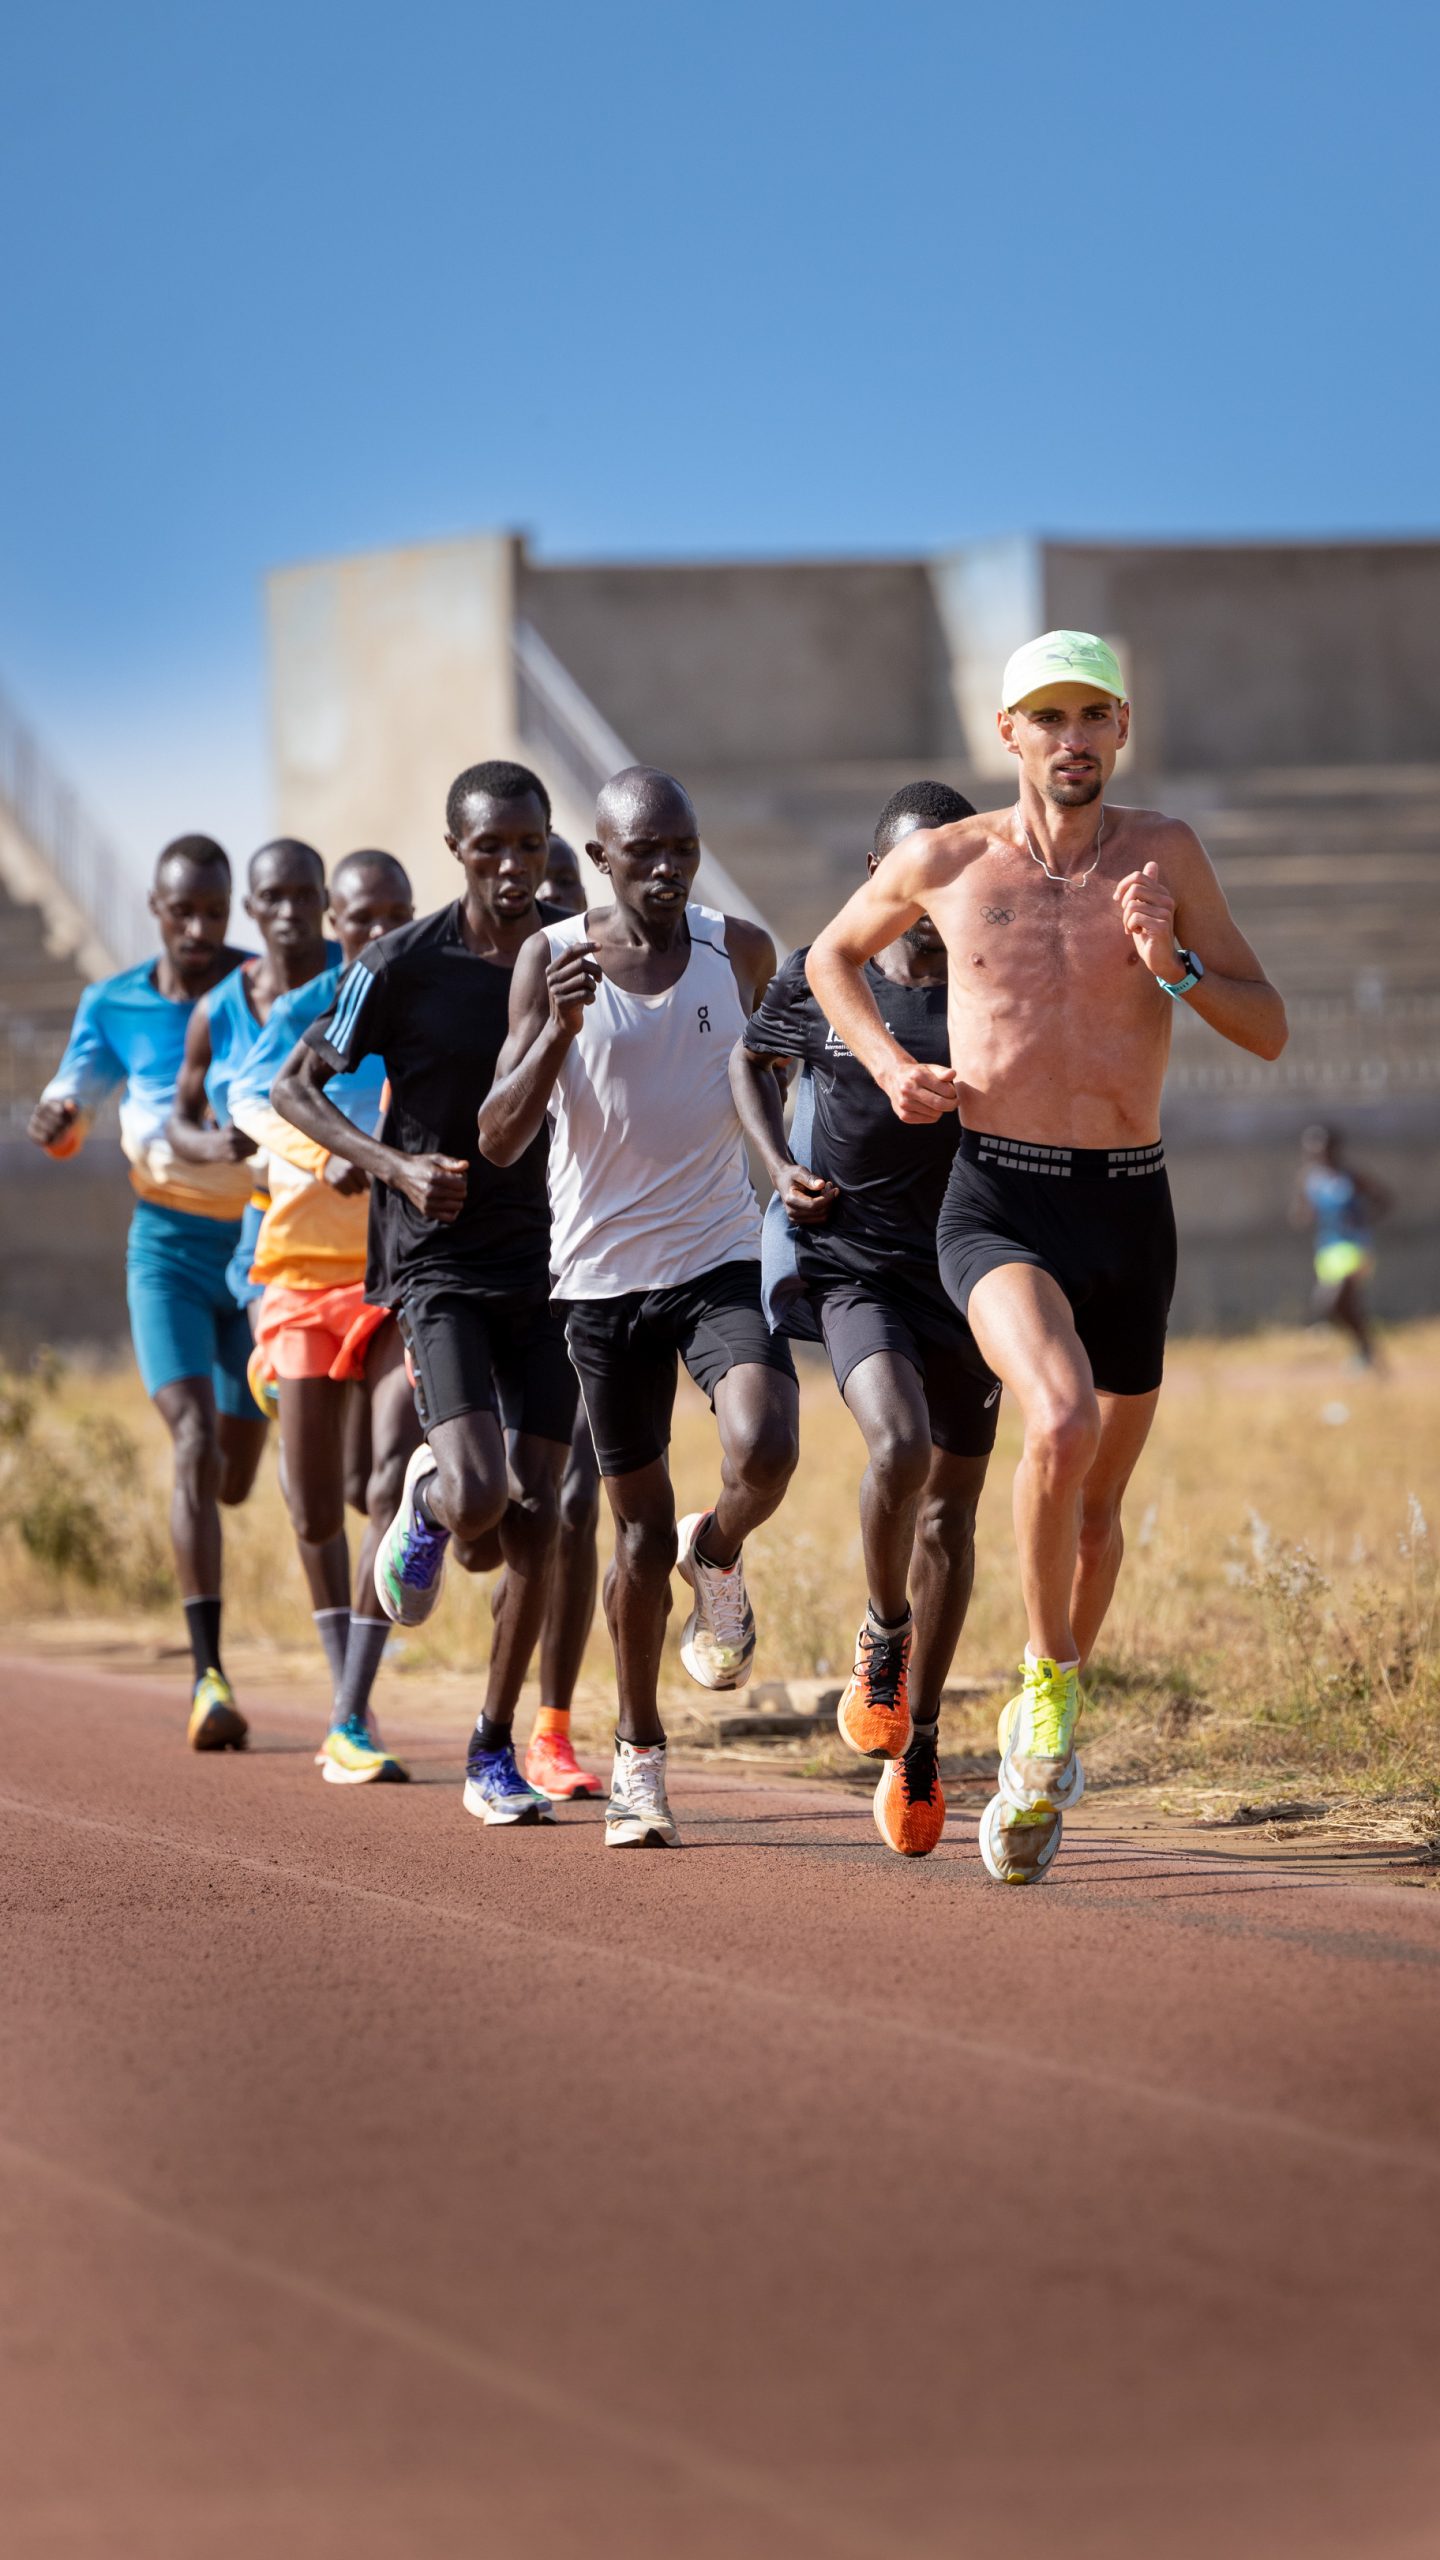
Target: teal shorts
x: 184, y: 1322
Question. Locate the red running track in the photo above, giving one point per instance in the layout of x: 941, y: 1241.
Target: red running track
x: 375, y: 2185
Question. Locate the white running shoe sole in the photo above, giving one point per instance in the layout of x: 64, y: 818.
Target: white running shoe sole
x: 1062, y: 1799
x: 416, y: 1606
x: 992, y: 1850
x: 686, y: 1532
x: 634, y: 1833
x: 501, y: 1815
x: 335, y: 1776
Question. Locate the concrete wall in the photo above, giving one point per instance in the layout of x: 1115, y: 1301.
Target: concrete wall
x: 757, y: 663
x: 62, y: 1246
x: 390, y: 672
x: 1264, y: 654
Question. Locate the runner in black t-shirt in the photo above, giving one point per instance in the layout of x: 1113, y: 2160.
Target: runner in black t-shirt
x: 850, y: 1256
x: 460, y: 1247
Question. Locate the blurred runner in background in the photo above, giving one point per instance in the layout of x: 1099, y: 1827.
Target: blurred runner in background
x: 1341, y: 1207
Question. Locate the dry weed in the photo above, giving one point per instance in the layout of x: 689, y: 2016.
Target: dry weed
x: 1276, y: 1620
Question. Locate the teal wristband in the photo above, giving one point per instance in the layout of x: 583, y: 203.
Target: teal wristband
x: 1194, y: 972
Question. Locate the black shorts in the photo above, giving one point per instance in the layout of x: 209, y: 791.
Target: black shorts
x: 473, y: 1354
x: 1097, y: 1219
x: 628, y: 1352
x: 885, y: 1311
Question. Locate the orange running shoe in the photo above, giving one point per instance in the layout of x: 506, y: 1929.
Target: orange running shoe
x: 910, y: 1801
x: 551, y: 1765
x: 874, y: 1712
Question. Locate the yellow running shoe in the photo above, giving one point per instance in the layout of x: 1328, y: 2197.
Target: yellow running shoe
x: 1039, y: 1765
x: 351, y: 1757
x: 1018, y: 1847
x: 216, y: 1723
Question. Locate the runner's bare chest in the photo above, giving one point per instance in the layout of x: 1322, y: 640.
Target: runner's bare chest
x: 1018, y: 938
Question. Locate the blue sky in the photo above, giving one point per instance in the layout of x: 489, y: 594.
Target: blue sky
x: 672, y: 280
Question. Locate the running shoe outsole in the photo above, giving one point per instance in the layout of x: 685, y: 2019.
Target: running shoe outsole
x: 1007, y: 1871
x: 525, y: 1818
x: 389, y: 1774
x: 219, y: 1729
x: 687, y: 1531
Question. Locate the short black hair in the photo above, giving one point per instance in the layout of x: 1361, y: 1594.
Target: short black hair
x: 286, y: 845
x: 203, y: 851
x: 369, y: 858
x: 497, y: 780
x: 934, y: 804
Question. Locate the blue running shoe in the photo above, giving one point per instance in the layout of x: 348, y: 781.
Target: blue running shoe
x: 410, y: 1564
x: 496, y: 1792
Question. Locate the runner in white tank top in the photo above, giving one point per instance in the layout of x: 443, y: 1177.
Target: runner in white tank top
x: 648, y: 1180
x: 621, y: 1027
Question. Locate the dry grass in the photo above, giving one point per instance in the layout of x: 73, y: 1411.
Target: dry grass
x: 1274, y: 1631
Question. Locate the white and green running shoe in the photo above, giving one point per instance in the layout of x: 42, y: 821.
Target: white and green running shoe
x: 1039, y: 1765
x: 1018, y: 1847
x: 410, y: 1562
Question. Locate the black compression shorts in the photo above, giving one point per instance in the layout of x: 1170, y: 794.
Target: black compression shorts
x: 1097, y: 1219
x: 628, y: 1352
x: 862, y: 1314
x: 505, y: 1355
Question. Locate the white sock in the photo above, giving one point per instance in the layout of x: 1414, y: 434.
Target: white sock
x: 1032, y: 1658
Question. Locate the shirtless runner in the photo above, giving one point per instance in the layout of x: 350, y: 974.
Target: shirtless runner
x: 1073, y: 930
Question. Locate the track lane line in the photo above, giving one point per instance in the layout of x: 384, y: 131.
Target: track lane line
x: 743, y: 2484
x: 848, y: 2016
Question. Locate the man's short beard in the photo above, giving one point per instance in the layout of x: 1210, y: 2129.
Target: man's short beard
x: 1073, y: 795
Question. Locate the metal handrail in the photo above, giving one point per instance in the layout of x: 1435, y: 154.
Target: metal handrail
x: 50, y: 816
x: 558, y: 721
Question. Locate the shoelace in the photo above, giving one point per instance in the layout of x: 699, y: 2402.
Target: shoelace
x: 724, y: 1589
x: 497, y: 1771
x: 645, y: 1785
x: 356, y: 1730
x: 1052, y: 1706
x: 884, y: 1663
x: 921, y: 1766
x: 422, y: 1545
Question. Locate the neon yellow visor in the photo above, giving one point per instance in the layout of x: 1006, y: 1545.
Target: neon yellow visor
x: 1061, y: 657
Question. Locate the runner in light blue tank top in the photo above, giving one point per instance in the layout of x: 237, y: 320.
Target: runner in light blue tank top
x: 191, y: 1340
x: 285, y: 899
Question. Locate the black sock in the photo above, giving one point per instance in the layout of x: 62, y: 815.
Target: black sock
x: 489, y: 1736
x: 202, y: 1617
x: 368, y: 1639
x: 333, y: 1628
x: 420, y: 1498
x: 883, y: 1626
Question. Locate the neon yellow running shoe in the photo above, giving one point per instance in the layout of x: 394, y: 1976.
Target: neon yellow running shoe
x: 216, y: 1723
x: 1039, y: 1765
x: 1018, y: 1847
x: 350, y: 1756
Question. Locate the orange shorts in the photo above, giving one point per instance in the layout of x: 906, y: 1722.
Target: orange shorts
x: 317, y: 1333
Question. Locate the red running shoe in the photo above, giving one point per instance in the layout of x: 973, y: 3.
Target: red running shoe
x: 551, y: 1765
